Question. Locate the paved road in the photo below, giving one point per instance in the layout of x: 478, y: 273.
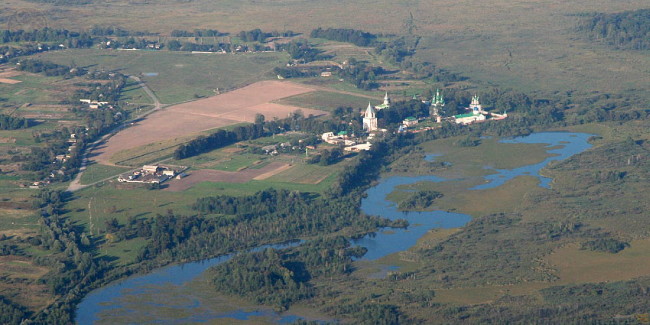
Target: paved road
x: 76, y: 185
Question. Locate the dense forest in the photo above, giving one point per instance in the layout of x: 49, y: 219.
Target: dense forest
x: 282, y: 277
x: 49, y: 69
x: 10, y: 313
x: 356, y: 37
x: 624, y: 30
x: 257, y: 35
x: 8, y: 122
x: 218, y: 139
x: 197, y: 33
x: 419, y: 200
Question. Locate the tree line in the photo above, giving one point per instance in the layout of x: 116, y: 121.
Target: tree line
x: 624, y: 30
x: 197, y: 33
x: 419, y: 200
x: 218, y: 139
x: 282, y: 277
x: 40, y: 35
x: 8, y: 122
x: 354, y: 36
x: 222, y: 138
x: 49, y: 68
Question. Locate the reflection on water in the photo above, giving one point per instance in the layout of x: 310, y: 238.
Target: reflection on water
x: 162, y: 297
x: 384, y: 243
x: 561, y: 144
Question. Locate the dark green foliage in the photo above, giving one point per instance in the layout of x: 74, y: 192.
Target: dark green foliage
x: 268, y: 216
x: 593, y: 303
x: 8, y: 122
x: 419, y: 200
x: 468, y: 141
x: 356, y: 37
x: 402, y: 109
x: 370, y: 313
x: 397, y: 50
x: 50, y: 35
x: 605, y: 245
x: 494, y: 242
x: 97, y: 30
x: 302, y: 51
x: 10, y: 313
x: 221, y: 138
x: 49, y: 68
x: 294, y: 72
x: 218, y: 139
x: 328, y: 157
x: 362, y: 171
x: 257, y: 35
x: 282, y: 277
x: 624, y: 30
x: 361, y: 75
x: 197, y: 33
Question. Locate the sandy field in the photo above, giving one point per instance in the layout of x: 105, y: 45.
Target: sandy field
x: 9, y: 81
x: 185, y: 119
x: 211, y: 175
x: 6, y: 74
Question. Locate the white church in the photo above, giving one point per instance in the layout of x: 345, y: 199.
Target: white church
x: 370, y: 119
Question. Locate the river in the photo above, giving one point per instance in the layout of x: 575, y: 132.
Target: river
x: 159, y: 296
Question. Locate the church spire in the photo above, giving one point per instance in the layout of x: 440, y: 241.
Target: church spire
x: 370, y: 112
x: 370, y: 119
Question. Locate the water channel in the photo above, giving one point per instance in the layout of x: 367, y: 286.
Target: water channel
x: 127, y: 297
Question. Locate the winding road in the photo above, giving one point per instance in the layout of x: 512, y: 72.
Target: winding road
x: 76, y: 185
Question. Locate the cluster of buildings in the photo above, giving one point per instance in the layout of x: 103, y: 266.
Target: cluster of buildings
x: 152, y: 174
x: 93, y: 104
x: 476, y: 112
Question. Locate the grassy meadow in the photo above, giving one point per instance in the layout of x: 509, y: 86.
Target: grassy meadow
x: 523, y: 241
x: 328, y: 101
x: 529, y: 46
x: 532, y: 216
x: 181, y: 76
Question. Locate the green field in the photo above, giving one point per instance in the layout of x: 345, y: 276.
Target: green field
x: 181, y: 76
x: 507, y: 263
x: 529, y: 46
x: 97, y: 172
x: 34, y: 89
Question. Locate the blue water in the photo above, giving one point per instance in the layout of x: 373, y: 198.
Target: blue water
x: 568, y: 145
x: 161, y: 283
x: 110, y: 297
x: 431, y: 157
x: 396, y: 240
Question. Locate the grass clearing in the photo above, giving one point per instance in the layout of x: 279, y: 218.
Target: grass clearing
x: 181, y: 76
x: 98, y: 172
x: 490, y: 152
x: 126, y: 251
x: 307, y: 174
x: 237, y: 162
x: 581, y: 266
x: 149, y: 153
x: 326, y: 100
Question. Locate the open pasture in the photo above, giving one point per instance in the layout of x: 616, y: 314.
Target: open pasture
x: 328, y: 100
x: 175, y: 77
x: 218, y: 111
x: 529, y: 46
x: 210, y: 175
x: 35, y: 89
